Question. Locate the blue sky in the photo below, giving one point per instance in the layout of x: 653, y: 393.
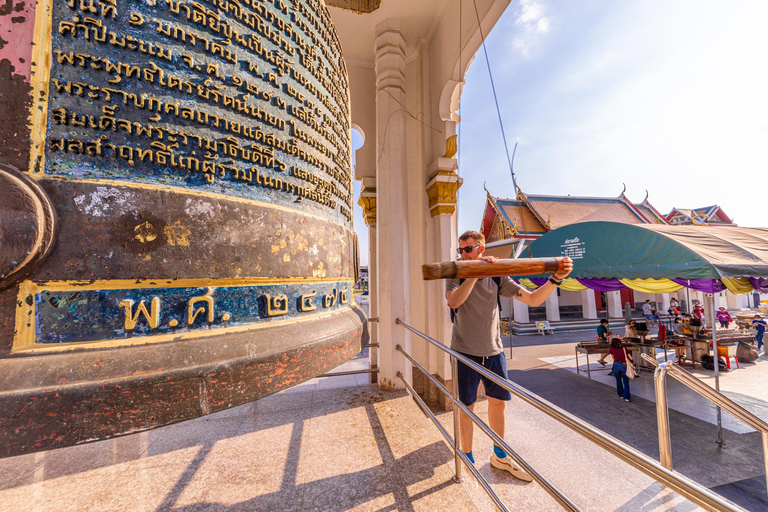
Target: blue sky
x: 671, y: 97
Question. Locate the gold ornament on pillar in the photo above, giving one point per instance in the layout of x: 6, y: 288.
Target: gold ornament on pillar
x: 367, y: 202
x: 441, y: 191
x: 451, y: 146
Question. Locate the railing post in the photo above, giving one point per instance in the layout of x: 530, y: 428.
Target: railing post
x: 662, y: 415
x: 765, y: 456
x: 456, y: 419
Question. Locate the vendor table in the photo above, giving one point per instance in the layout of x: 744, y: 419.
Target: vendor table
x: 598, y: 347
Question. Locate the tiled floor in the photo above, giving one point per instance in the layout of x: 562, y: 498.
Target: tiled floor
x: 747, y: 385
x: 329, y: 444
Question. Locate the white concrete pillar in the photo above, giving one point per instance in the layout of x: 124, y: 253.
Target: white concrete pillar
x: 441, y: 190
x: 520, y: 312
x: 552, y: 305
x: 588, y: 306
x: 368, y: 203
x: 739, y: 301
x: 663, y: 303
x: 615, y: 307
x: 392, y: 242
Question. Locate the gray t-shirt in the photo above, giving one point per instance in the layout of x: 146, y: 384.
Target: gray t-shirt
x: 476, y: 326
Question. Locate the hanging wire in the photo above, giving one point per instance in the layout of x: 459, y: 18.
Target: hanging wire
x: 510, y: 161
x: 461, y: 90
x: 495, y: 97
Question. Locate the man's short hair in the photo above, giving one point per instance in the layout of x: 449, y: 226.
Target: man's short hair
x: 478, y: 236
x: 603, y: 321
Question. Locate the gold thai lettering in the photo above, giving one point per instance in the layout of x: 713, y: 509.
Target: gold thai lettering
x: 329, y: 300
x: 207, y: 308
x: 305, y: 302
x: 131, y: 319
x: 276, y: 306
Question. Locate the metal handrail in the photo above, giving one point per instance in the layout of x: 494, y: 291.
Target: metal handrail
x: 453, y: 445
x: 541, y: 480
x: 679, y: 483
x: 714, y: 396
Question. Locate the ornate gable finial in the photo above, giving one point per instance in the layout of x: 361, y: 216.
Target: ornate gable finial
x: 646, y: 195
x: 625, y: 189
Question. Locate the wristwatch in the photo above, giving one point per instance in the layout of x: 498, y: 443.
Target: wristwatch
x: 555, y: 281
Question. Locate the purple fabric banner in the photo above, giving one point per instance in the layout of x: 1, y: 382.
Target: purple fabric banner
x: 760, y: 284
x: 538, y: 281
x: 702, y: 285
x: 602, y: 285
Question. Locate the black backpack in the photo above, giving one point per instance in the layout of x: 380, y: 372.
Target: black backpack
x: 496, y: 280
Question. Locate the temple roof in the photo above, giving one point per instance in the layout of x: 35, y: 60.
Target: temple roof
x: 704, y: 215
x: 533, y: 215
x: 568, y: 210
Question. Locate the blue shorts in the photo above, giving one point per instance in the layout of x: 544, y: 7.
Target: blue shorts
x: 469, y: 379
x: 649, y: 317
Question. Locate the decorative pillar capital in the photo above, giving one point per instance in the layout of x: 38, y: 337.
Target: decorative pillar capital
x: 442, y: 187
x: 367, y: 202
x: 390, y: 55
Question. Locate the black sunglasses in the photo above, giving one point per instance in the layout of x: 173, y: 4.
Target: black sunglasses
x: 468, y: 249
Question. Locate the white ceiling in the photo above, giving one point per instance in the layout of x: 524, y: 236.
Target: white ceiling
x: 419, y: 19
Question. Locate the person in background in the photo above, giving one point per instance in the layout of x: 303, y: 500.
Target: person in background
x: 698, y: 312
x: 687, y: 324
x: 630, y: 331
x: 674, y: 304
x: 724, y: 318
x: 602, y: 335
x: 648, y: 312
x: 620, y: 368
x: 679, y: 329
x: 759, y: 325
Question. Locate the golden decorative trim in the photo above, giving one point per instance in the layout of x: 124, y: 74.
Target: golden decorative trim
x: 368, y: 204
x: 447, y: 209
x: 441, y: 192
x: 24, y: 340
x: 41, y: 73
x: 451, y: 146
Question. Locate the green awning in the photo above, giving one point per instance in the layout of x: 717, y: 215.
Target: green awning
x: 640, y: 251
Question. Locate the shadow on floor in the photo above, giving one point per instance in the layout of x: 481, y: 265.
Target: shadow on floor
x: 694, y: 450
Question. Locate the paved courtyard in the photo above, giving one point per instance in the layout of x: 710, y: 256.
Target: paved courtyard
x: 342, y: 444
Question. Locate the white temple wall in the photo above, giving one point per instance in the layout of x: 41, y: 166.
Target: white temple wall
x: 570, y: 298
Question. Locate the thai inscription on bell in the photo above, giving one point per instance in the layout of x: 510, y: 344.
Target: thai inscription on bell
x: 244, y: 98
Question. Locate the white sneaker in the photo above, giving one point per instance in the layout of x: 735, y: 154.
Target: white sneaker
x: 506, y: 464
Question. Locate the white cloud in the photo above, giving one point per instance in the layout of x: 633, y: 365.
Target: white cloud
x: 532, y: 26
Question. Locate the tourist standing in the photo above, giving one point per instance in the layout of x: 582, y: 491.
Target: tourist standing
x: 648, y: 312
x: 620, y: 361
x: 759, y: 325
x: 724, y: 318
x: 476, y: 336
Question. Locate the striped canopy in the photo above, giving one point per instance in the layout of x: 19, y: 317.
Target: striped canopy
x: 660, y: 258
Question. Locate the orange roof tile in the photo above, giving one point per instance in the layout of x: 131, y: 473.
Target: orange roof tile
x: 568, y: 210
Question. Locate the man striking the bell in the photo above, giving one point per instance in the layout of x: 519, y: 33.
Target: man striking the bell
x: 476, y: 335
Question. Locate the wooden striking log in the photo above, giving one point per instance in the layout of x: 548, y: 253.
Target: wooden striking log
x: 480, y: 268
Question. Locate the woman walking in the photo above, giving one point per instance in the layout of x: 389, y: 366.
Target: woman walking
x: 620, y: 363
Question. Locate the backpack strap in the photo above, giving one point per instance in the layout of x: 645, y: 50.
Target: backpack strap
x: 496, y: 280
x: 454, y: 311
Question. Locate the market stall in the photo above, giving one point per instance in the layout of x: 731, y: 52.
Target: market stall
x: 654, y: 258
